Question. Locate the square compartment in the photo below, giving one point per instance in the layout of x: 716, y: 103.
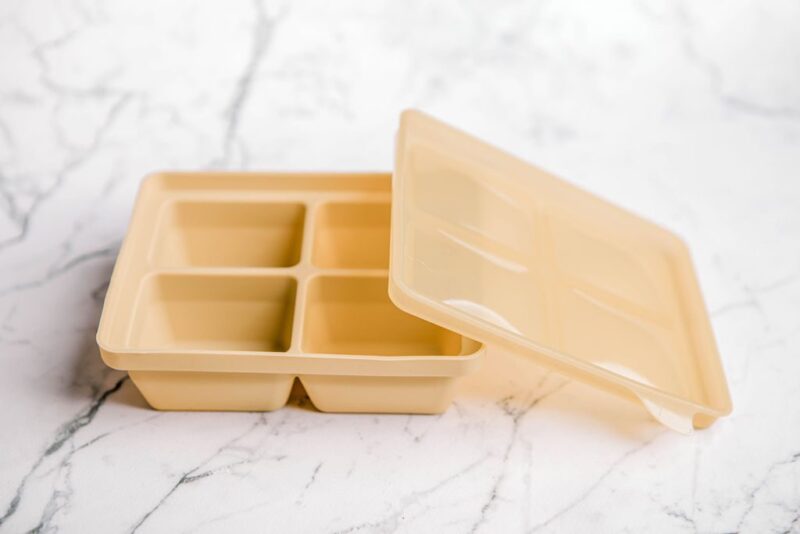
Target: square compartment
x: 353, y: 315
x: 230, y: 234
x: 352, y: 235
x: 185, y: 312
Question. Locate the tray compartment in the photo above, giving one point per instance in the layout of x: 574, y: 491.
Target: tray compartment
x: 354, y: 315
x: 352, y: 235
x: 230, y: 234
x: 214, y: 312
x: 171, y: 390
x: 380, y: 394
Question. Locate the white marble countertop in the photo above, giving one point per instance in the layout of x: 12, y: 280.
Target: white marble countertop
x: 688, y: 113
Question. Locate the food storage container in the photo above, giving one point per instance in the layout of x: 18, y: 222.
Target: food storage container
x: 377, y: 291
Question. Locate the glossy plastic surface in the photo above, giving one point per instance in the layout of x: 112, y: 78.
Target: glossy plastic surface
x: 498, y: 250
x: 230, y: 286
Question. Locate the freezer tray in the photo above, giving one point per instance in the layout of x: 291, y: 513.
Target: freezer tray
x: 230, y: 286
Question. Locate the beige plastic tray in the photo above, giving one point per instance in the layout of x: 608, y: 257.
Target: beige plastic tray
x: 229, y: 286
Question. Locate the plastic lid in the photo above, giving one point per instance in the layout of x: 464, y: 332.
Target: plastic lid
x: 495, y: 249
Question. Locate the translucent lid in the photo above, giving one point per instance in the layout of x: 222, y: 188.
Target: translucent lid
x: 493, y: 248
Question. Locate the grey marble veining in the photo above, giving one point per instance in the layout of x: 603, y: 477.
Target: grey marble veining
x: 686, y: 112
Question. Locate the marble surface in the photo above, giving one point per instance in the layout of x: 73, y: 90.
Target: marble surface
x: 688, y: 113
